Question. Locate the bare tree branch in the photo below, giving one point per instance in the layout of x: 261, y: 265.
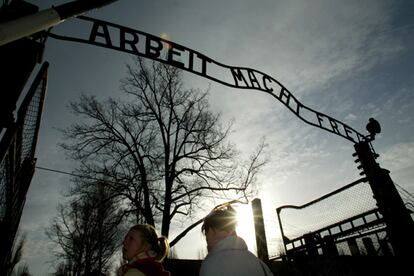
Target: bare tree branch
x: 160, y: 151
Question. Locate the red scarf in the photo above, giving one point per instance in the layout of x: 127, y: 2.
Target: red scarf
x: 149, y: 266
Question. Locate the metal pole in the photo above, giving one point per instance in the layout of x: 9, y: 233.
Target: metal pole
x: 27, y: 25
x: 281, y: 229
x: 400, y: 226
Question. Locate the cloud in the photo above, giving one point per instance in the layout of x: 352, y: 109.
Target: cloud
x: 315, y: 42
x: 37, y: 252
x: 308, y: 47
x: 399, y: 156
x: 398, y: 159
x: 350, y: 117
x: 40, y: 208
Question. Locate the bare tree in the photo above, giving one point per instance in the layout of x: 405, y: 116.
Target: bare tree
x: 63, y: 269
x: 21, y: 270
x: 86, y: 232
x: 163, y: 150
x: 14, y: 267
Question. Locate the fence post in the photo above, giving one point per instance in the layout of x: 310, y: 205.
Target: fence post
x: 262, y: 252
x: 282, y: 233
x: 400, y: 226
x: 369, y: 247
x: 353, y: 247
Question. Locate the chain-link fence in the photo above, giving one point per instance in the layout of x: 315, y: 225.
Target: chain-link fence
x: 4, y: 179
x: 30, y: 115
x: 343, y: 222
x: 17, y: 161
x: 19, y: 141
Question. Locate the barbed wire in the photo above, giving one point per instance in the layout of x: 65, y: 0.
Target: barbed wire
x: 401, y: 189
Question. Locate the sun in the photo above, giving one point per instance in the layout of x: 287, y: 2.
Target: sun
x: 245, y: 225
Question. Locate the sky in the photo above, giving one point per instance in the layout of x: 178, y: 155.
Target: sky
x: 351, y: 60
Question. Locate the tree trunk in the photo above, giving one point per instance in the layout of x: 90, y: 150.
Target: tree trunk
x: 149, y: 218
x: 166, y: 219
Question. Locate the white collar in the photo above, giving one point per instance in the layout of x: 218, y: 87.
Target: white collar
x: 143, y: 255
x: 230, y: 243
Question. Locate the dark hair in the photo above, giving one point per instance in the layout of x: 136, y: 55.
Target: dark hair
x: 159, y: 244
x: 222, y: 218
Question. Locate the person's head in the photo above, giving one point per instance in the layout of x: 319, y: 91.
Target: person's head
x: 141, y: 238
x: 219, y: 224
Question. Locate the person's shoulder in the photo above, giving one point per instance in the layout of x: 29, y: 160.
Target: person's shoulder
x: 266, y: 268
x: 134, y: 272
x: 211, y: 267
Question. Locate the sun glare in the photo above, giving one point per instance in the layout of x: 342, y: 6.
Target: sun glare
x: 166, y: 37
x: 245, y: 226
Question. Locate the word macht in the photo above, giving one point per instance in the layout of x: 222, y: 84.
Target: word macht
x: 124, y: 39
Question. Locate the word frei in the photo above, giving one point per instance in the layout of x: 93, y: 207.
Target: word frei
x: 124, y: 39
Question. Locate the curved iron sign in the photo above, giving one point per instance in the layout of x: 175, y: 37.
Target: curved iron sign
x: 124, y: 39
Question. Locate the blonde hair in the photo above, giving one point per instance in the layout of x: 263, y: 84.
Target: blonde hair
x: 159, y: 244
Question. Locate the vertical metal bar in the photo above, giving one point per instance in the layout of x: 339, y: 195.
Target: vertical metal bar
x: 261, y: 242
x: 281, y: 229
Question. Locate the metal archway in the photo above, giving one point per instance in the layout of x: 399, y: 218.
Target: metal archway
x: 149, y: 46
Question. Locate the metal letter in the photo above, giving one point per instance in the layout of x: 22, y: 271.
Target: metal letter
x: 95, y: 33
